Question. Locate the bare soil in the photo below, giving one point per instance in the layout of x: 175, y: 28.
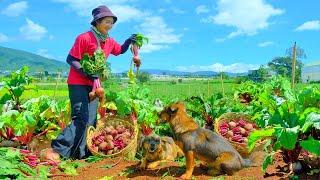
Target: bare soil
x: 122, y: 169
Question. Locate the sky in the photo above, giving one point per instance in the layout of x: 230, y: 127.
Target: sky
x: 184, y: 35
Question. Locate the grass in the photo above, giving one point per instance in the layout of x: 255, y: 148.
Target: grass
x: 168, y: 89
x: 158, y: 89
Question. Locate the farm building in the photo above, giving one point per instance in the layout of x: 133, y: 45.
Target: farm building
x: 311, y: 72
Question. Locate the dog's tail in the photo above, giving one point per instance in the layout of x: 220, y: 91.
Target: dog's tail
x: 255, y: 159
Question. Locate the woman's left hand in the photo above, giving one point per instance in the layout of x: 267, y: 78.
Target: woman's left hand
x: 132, y: 38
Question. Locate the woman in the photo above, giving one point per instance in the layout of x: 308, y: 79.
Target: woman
x: 71, y: 143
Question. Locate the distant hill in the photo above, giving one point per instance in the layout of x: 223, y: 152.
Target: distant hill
x: 181, y: 73
x: 13, y: 59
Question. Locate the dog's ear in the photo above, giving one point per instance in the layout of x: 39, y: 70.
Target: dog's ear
x: 172, y: 110
x: 141, y: 139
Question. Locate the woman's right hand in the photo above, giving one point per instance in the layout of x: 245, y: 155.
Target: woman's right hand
x: 91, y: 76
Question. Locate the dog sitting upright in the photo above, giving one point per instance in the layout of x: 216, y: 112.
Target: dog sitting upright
x: 158, y: 150
x: 203, y: 144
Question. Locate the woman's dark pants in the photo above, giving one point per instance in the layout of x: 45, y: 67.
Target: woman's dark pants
x: 71, y: 143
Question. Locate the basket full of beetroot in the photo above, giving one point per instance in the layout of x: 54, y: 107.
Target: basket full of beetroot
x: 236, y: 127
x: 116, y: 137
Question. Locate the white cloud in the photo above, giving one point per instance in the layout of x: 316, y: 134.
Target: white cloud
x: 127, y: 13
x: 206, y: 20
x: 217, y: 67
x: 248, y: 17
x: 159, y: 34
x: 15, y: 9
x: 3, y: 38
x: 265, y: 44
x: 173, y: 10
x: 309, y: 25
x: 154, y: 27
x: 120, y: 8
x: 161, y: 10
x: 178, y: 11
x: 44, y: 53
x: 202, y: 9
x: 32, y: 31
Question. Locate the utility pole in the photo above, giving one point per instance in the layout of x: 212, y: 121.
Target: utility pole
x: 294, y: 55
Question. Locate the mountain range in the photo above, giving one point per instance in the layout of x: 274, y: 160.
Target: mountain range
x: 13, y: 59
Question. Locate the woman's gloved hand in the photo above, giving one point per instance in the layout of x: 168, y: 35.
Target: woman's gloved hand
x: 91, y: 76
x: 133, y: 38
x: 126, y: 44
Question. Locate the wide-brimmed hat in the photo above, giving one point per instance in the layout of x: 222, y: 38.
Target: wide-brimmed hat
x: 102, y: 11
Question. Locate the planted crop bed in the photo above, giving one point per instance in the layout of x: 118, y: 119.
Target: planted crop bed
x: 285, y: 119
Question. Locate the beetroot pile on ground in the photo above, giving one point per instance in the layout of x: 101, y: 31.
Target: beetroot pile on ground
x: 33, y: 160
x: 111, y: 139
x: 237, y: 130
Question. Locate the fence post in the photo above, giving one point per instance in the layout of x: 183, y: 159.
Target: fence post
x: 293, y: 65
x: 56, y: 88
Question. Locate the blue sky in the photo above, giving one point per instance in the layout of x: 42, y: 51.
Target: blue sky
x: 186, y: 35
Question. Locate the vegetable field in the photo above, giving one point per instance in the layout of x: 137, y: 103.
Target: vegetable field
x: 284, y: 121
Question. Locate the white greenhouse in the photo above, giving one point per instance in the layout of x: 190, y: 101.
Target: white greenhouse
x: 311, y: 72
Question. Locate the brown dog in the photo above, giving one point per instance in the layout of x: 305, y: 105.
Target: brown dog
x: 203, y: 144
x: 158, y: 150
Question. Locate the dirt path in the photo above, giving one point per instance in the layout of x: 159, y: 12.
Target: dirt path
x: 129, y: 169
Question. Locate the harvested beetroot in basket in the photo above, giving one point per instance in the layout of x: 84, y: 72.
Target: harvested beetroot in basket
x: 111, y: 139
x: 237, y: 130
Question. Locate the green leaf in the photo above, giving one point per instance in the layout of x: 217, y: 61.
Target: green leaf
x: 5, y: 98
x: 94, y: 159
x: 12, y: 154
x: 68, y: 168
x: 305, y: 114
x: 28, y: 116
x: 276, y: 119
x: 107, y: 178
x: 44, y: 172
x: 311, y: 145
x: 17, y: 91
x: 313, y: 119
x: 288, y: 137
x: 267, y: 161
x: 257, y: 135
x: 53, y: 134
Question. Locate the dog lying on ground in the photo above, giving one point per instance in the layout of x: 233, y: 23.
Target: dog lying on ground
x: 158, y: 150
x: 204, y: 144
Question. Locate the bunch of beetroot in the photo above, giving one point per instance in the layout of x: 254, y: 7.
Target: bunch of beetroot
x: 237, y: 130
x: 98, y: 91
x: 29, y: 158
x: 112, y: 139
x: 140, y: 40
x: 33, y: 160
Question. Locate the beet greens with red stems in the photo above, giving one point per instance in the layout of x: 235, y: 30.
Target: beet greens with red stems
x: 291, y: 125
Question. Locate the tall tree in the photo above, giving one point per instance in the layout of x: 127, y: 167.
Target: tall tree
x: 283, y: 66
x: 259, y: 75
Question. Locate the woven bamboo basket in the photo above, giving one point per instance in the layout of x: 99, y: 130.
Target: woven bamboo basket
x: 129, y: 151
x: 242, y: 148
